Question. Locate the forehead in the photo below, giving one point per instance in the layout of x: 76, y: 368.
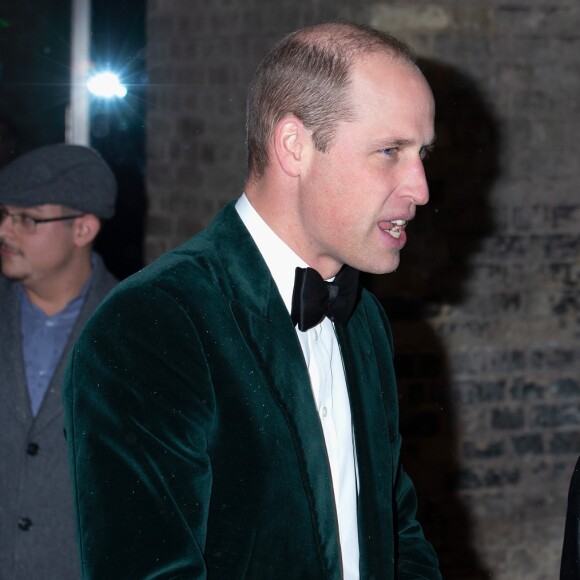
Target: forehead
x: 390, y: 92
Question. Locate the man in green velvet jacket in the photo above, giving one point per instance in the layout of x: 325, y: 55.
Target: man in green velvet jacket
x: 208, y: 436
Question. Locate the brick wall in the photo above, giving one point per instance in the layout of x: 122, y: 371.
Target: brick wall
x: 201, y: 56
x: 484, y: 305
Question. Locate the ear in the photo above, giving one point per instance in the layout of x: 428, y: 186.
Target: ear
x: 291, y: 144
x: 86, y: 229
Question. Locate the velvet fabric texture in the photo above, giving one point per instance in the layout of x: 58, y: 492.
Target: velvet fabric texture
x: 195, y: 445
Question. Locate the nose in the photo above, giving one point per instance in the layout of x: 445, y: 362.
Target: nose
x: 416, y: 182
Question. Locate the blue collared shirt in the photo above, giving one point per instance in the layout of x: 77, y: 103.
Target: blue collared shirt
x: 43, y: 341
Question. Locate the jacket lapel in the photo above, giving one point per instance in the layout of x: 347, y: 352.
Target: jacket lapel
x: 13, y: 378
x: 372, y: 440
x: 266, y: 326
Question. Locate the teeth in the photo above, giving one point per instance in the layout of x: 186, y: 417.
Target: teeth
x: 393, y: 227
x: 395, y: 232
x: 396, y: 229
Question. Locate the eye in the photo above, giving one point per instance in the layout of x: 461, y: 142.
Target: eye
x: 27, y: 221
x: 391, y: 152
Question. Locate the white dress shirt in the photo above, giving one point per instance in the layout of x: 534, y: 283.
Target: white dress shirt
x: 327, y: 377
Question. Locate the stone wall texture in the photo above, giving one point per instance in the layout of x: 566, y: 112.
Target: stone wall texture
x: 485, y: 306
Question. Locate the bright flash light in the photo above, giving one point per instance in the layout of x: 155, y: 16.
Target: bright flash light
x: 106, y: 85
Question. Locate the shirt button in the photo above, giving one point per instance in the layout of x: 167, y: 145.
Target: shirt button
x: 32, y: 448
x: 24, y: 524
x: 324, y: 411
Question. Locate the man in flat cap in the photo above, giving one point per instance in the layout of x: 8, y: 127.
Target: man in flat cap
x: 52, y: 201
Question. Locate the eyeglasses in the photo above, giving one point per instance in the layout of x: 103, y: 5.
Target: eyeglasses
x: 26, y: 224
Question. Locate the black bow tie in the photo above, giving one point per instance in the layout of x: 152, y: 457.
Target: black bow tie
x: 313, y: 298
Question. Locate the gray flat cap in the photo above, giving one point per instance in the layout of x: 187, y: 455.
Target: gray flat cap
x: 71, y: 175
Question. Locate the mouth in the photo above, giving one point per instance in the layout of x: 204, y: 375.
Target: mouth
x: 394, y: 228
x: 6, y: 249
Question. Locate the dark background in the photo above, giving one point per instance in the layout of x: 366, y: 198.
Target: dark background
x: 35, y: 40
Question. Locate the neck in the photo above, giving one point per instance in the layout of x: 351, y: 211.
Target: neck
x: 284, y: 221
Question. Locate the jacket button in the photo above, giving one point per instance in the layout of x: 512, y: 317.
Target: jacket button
x: 24, y: 524
x: 32, y: 448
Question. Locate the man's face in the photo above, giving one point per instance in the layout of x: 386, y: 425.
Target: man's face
x: 38, y: 257
x: 356, y: 198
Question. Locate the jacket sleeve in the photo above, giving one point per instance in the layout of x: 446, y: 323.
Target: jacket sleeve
x: 416, y: 558
x: 139, y: 407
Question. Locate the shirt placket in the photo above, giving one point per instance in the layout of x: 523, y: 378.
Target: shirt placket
x: 320, y: 347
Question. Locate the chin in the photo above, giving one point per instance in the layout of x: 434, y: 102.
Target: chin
x: 378, y: 261
x: 13, y: 276
x: 380, y: 267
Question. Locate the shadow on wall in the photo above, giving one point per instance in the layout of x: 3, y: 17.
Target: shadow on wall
x: 435, y: 266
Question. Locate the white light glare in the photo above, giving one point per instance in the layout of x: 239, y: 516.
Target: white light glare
x: 106, y: 85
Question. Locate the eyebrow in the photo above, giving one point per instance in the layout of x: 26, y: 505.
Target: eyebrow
x: 34, y: 209
x: 403, y: 142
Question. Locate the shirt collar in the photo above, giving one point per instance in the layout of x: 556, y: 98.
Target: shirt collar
x: 280, y: 259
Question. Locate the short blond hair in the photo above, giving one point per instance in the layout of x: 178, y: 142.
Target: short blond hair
x: 307, y: 74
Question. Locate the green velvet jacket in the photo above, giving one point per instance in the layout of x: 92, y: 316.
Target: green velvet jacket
x: 195, y: 445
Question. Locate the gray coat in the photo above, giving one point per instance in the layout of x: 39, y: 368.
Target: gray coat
x: 37, y: 528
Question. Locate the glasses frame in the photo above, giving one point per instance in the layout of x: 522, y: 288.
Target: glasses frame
x: 17, y: 219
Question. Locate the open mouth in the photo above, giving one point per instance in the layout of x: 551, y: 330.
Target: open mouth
x: 396, y: 229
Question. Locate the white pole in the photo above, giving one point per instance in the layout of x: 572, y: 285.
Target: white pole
x: 78, y: 122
